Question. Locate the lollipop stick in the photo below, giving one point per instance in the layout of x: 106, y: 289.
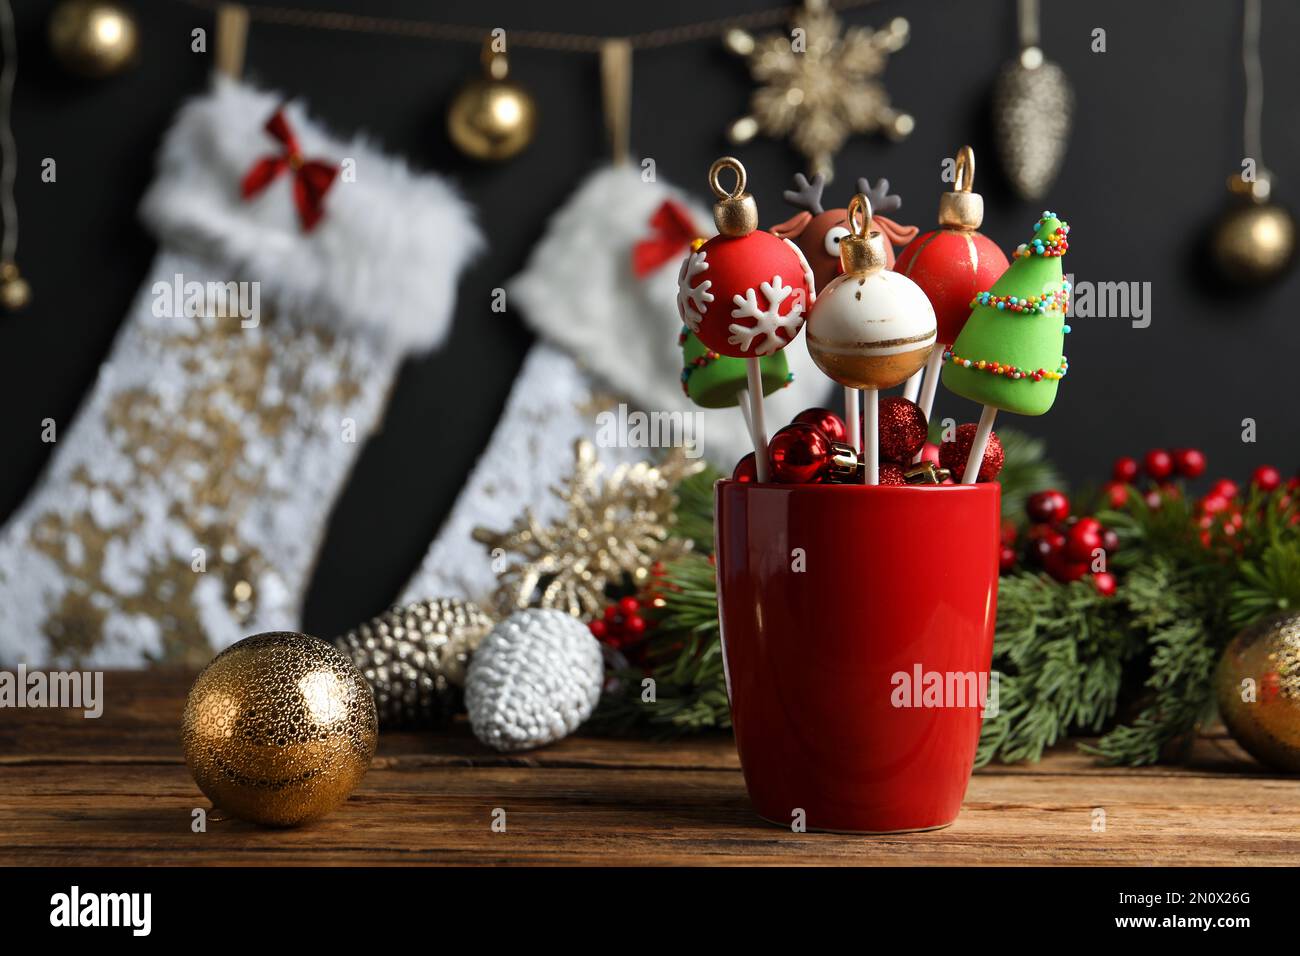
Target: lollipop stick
x: 871, y: 436
x: 742, y: 402
x: 851, y: 423
x: 932, y: 367
x: 758, y: 430
x: 977, y: 447
x: 912, y: 387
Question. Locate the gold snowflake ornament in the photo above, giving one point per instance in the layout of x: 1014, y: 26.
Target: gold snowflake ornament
x: 820, y: 84
x: 615, y: 528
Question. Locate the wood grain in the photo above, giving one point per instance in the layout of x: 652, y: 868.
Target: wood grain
x: 115, y: 791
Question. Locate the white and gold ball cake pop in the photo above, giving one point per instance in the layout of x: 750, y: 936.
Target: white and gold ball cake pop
x: 870, y: 327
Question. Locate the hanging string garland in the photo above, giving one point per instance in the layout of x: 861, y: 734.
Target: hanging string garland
x: 15, y: 293
x: 1254, y: 240
x: 493, y: 118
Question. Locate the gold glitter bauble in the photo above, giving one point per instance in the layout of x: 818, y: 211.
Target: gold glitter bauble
x: 279, y: 729
x: 492, y: 118
x: 1254, y: 241
x: 93, y: 38
x: 1258, y: 686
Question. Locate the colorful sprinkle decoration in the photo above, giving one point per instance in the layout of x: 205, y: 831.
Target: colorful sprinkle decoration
x: 1009, y: 371
x: 1032, y: 305
x: 1057, y: 244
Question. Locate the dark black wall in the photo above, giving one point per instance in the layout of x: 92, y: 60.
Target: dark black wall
x: 1157, y: 130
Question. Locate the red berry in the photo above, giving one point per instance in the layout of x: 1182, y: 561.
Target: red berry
x: 1266, y: 478
x: 598, y: 630
x: 1116, y: 494
x: 629, y: 605
x: 1067, y: 571
x: 1125, y: 469
x: 1006, y: 559
x: 1109, y: 541
x: 636, y: 625
x: 1212, y: 504
x: 1083, y: 539
x: 1105, y: 583
x: 1189, y: 462
x: 611, y: 612
x: 1158, y: 464
x: 1153, y: 499
x: 1047, y: 507
x: 1009, y: 533
x: 1225, y: 488
x: 831, y: 425
x: 746, y: 469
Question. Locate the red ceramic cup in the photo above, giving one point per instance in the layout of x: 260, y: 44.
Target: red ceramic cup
x: 831, y: 662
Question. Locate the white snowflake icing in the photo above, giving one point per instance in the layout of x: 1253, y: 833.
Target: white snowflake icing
x: 693, y: 301
x: 767, y: 321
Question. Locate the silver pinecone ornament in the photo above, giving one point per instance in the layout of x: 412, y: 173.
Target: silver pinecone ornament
x: 415, y: 658
x: 533, y: 680
x: 1033, y: 107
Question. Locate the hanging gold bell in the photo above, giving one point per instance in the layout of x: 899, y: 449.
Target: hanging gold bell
x: 15, y: 293
x: 93, y: 38
x: 1254, y: 241
x: 492, y: 118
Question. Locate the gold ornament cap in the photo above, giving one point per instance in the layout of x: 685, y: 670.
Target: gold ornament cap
x: 862, y: 251
x: 735, y: 213
x: 962, y: 209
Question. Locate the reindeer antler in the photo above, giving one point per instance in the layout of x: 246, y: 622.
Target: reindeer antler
x: 807, y: 195
x: 881, y: 199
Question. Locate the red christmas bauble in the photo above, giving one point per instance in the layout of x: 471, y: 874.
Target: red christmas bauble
x: 1083, y: 538
x: 891, y: 474
x: 1116, y: 493
x: 746, y: 469
x: 902, y: 428
x: 1125, y: 469
x: 745, y: 296
x: 953, y: 454
x: 832, y: 425
x: 1105, y: 583
x: 952, y: 266
x: 799, y: 454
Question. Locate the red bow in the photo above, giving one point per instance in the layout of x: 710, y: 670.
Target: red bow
x: 673, y: 231
x: 312, y: 178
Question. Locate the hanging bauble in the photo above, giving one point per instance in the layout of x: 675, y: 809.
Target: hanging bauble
x: 1258, y: 686
x: 278, y: 729
x: 1033, y: 105
x: 533, y: 680
x: 15, y: 293
x: 745, y: 292
x: 1254, y: 240
x: 953, y: 263
x: 93, y: 38
x: 415, y: 658
x: 870, y: 328
x: 491, y: 117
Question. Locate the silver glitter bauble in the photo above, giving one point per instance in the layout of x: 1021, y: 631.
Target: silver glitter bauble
x: 1033, y: 106
x: 533, y: 680
x: 415, y: 658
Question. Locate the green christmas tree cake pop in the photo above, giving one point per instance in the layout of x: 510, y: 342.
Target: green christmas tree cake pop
x: 715, y: 381
x: 1009, y: 355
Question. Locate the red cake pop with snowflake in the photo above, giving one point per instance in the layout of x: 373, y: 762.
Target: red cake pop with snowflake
x: 745, y: 292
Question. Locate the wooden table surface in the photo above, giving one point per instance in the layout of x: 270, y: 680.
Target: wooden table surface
x: 114, y: 791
